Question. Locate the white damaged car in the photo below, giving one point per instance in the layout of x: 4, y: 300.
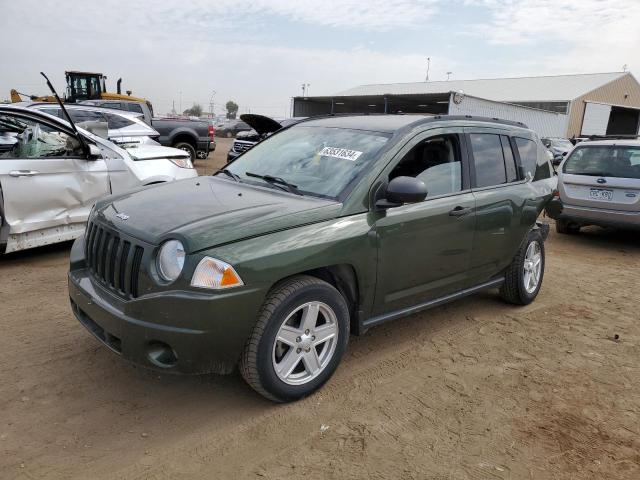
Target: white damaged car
x: 51, y: 174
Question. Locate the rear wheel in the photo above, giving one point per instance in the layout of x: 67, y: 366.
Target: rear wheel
x: 523, y: 278
x: 187, y: 147
x: 300, y: 336
x: 567, y: 227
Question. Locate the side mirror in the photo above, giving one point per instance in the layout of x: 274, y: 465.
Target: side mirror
x: 403, y: 190
x: 94, y: 152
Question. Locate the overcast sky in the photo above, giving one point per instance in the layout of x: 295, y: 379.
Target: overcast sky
x: 258, y: 53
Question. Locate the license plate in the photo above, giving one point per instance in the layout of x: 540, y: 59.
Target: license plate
x: 601, y: 194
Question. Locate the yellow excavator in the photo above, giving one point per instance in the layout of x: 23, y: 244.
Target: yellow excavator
x: 83, y: 86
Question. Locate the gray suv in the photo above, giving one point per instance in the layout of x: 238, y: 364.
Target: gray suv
x: 598, y: 184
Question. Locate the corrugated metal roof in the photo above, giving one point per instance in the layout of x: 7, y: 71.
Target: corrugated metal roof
x: 519, y: 89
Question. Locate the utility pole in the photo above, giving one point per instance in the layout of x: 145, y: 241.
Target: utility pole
x: 180, y: 102
x: 428, y: 67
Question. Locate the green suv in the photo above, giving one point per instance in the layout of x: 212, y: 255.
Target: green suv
x: 323, y: 230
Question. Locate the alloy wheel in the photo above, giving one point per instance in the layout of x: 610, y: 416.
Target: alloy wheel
x: 305, y: 343
x: 532, y: 267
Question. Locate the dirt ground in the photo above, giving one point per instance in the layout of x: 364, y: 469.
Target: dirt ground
x: 473, y: 390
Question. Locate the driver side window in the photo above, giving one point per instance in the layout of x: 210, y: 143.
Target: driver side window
x: 437, y: 162
x: 25, y: 138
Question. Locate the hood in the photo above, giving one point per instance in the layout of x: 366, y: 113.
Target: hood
x: 205, y: 212
x: 261, y: 124
x: 248, y: 136
x: 155, y: 152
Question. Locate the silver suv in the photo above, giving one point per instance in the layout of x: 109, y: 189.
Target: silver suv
x: 598, y: 184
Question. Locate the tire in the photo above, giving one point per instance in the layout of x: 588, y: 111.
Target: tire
x: 228, y: 134
x: 187, y: 147
x: 267, y: 361
x: 566, y: 227
x: 515, y: 288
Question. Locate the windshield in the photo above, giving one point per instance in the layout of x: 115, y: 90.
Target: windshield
x: 604, y: 161
x: 561, y: 143
x: 317, y: 160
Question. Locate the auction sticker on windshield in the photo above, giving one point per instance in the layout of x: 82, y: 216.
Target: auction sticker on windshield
x: 343, y: 153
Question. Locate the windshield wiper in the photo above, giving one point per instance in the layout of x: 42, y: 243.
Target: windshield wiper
x: 277, y: 181
x: 229, y: 173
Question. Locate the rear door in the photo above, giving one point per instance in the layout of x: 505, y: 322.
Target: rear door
x: 602, y: 176
x: 506, y: 203
x: 47, y: 188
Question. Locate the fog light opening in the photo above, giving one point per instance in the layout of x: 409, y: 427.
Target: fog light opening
x: 161, y: 354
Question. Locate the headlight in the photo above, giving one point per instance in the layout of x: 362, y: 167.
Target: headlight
x: 182, y: 162
x: 170, y: 260
x: 215, y: 274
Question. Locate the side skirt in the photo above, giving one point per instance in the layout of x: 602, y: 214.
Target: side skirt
x: 45, y: 236
x: 387, y: 317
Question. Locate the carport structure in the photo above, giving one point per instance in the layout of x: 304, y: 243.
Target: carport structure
x: 434, y: 103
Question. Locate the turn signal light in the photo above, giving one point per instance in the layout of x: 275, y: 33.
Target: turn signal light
x: 215, y: 274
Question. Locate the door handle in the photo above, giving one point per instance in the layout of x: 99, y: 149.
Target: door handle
x: 460, y: 211
x: 23, y: 173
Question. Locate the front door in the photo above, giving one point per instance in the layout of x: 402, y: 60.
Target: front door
x: 47, y: 188
x: 424, y: 248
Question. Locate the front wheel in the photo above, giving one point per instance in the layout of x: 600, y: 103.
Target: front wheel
x: 300, y: 336
x: 523, y: 278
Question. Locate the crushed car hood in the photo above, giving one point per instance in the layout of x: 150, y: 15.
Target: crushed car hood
x: 155, y: 152
x: 205, y: 212
x: 261, y: 124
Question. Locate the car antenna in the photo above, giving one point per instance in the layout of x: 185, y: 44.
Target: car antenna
x: 85, y: 147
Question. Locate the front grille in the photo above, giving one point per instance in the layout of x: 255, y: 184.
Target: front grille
x: 113, y: 261
x: 240, y: 147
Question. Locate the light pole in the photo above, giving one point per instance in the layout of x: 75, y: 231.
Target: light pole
x: 180, y: 102
x: 428, y: 67
x: 448, y: 75
x: 211, y: 103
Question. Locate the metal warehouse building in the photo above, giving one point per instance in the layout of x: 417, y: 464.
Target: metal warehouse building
x: 562, y: 105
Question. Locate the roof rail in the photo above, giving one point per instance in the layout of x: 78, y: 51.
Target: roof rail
x: 429, y: 117
x: 613, y: 137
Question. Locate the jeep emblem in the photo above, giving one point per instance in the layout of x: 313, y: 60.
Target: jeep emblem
x: 123, y: 216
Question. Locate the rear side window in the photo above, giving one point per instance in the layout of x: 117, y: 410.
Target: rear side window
x: 135, y: 107
x: 488, y: 159
x: 116, y: 121
x: 533, y: 159
x: 604, y: 161
x: 528, y: 154
x: 79, y: 116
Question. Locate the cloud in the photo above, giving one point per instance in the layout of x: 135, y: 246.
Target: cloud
x: 572, y: 35
x: 258, y: 53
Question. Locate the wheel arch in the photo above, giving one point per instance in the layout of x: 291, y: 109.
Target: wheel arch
x: 342, y: 277
x: 185, y: 136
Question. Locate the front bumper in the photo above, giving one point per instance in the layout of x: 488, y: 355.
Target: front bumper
x: 172, y: 331
x: 593, y: 216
